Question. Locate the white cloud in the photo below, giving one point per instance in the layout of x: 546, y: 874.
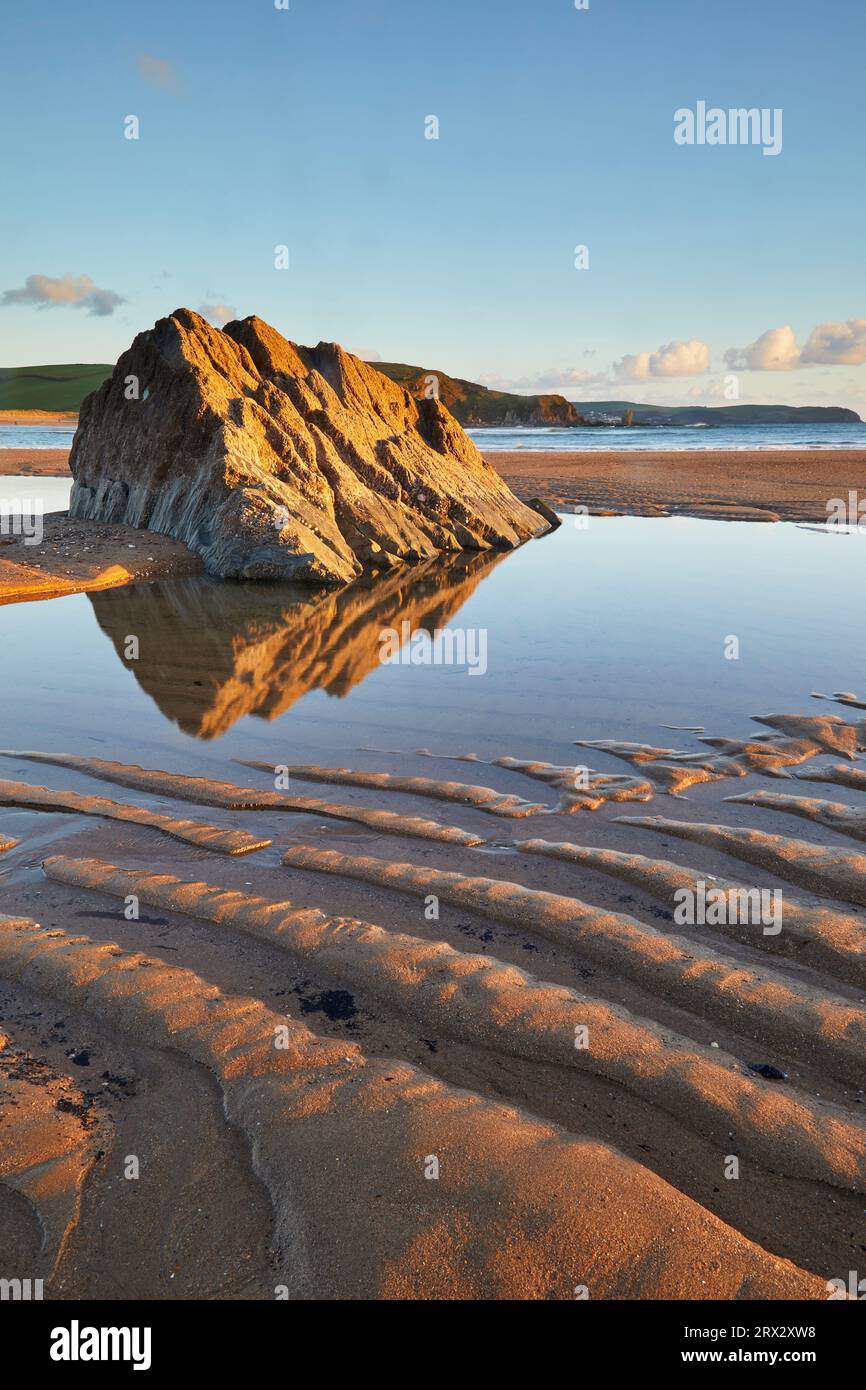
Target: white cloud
x: 837, y: 344
x: 79, y: 292
x: 830, y: 344
x: 690, y: 358
x: 217, y: 314
x: 775, y: 351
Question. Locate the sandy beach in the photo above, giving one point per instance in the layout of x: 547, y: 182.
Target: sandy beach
x: 76, y: 557
x: 36, y: 463
x: 46, y: 418
x: 415, y: 1042
x: 433, y: 714
x: 758, y: 485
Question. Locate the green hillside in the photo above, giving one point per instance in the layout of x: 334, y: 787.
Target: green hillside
x: 50, y: 388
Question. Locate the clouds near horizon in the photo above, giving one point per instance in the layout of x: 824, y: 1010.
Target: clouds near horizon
x: 675, y: 359
x: 553, y: 379
x: 775, y: 351
x: 77, y: 292
x: 829, y: 344
x: 837, y: 344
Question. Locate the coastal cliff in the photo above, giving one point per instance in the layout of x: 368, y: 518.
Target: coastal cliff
x: 476, y: 406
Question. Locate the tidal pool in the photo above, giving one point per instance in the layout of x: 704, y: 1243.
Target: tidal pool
x: 606, y: 632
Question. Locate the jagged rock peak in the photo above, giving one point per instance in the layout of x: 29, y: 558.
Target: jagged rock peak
x: 276, y: 461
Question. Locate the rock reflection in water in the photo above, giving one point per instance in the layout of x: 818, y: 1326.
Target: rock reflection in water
x: 212, y: 652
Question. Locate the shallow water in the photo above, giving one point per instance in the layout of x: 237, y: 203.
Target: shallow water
x: 609, y: 631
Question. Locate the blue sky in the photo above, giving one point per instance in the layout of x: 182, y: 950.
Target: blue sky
x: 305, y: 127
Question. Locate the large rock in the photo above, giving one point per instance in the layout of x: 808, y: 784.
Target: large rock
x: 274, y: 461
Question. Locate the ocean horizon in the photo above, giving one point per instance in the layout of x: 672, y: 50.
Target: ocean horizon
x: 697, y: 438
x: 589, y: 438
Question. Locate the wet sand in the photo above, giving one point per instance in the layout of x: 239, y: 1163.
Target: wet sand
x: 757, y: 485
x: 38, y: 463
x: 77, y: 557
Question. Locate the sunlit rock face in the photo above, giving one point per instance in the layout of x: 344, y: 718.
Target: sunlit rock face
x: 274, y: 461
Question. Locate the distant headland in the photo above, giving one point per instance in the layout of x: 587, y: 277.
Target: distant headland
x: 476, y: 406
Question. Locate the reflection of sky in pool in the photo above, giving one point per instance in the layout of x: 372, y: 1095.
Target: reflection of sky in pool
x: 610, y: 631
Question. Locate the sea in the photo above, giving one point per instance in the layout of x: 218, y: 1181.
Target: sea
x: 736, y: 438
x: 653, y: 437
x: 36, y: 436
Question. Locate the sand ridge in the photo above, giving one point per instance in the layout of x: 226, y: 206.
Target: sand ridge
x: 213, y: 837
x: 341, y: 1142
x: 838, y: 773
x: 834, y: 939
x: 649, y: 998
x: 209, y: 792
x: 827, y: 871
x: 834, y: 814
x: 499, y: 1006
x: 765, y: 1004
x: 483, y: 798
x: 581, y: 789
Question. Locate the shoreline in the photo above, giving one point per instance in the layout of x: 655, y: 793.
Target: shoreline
x: 696, y: 452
